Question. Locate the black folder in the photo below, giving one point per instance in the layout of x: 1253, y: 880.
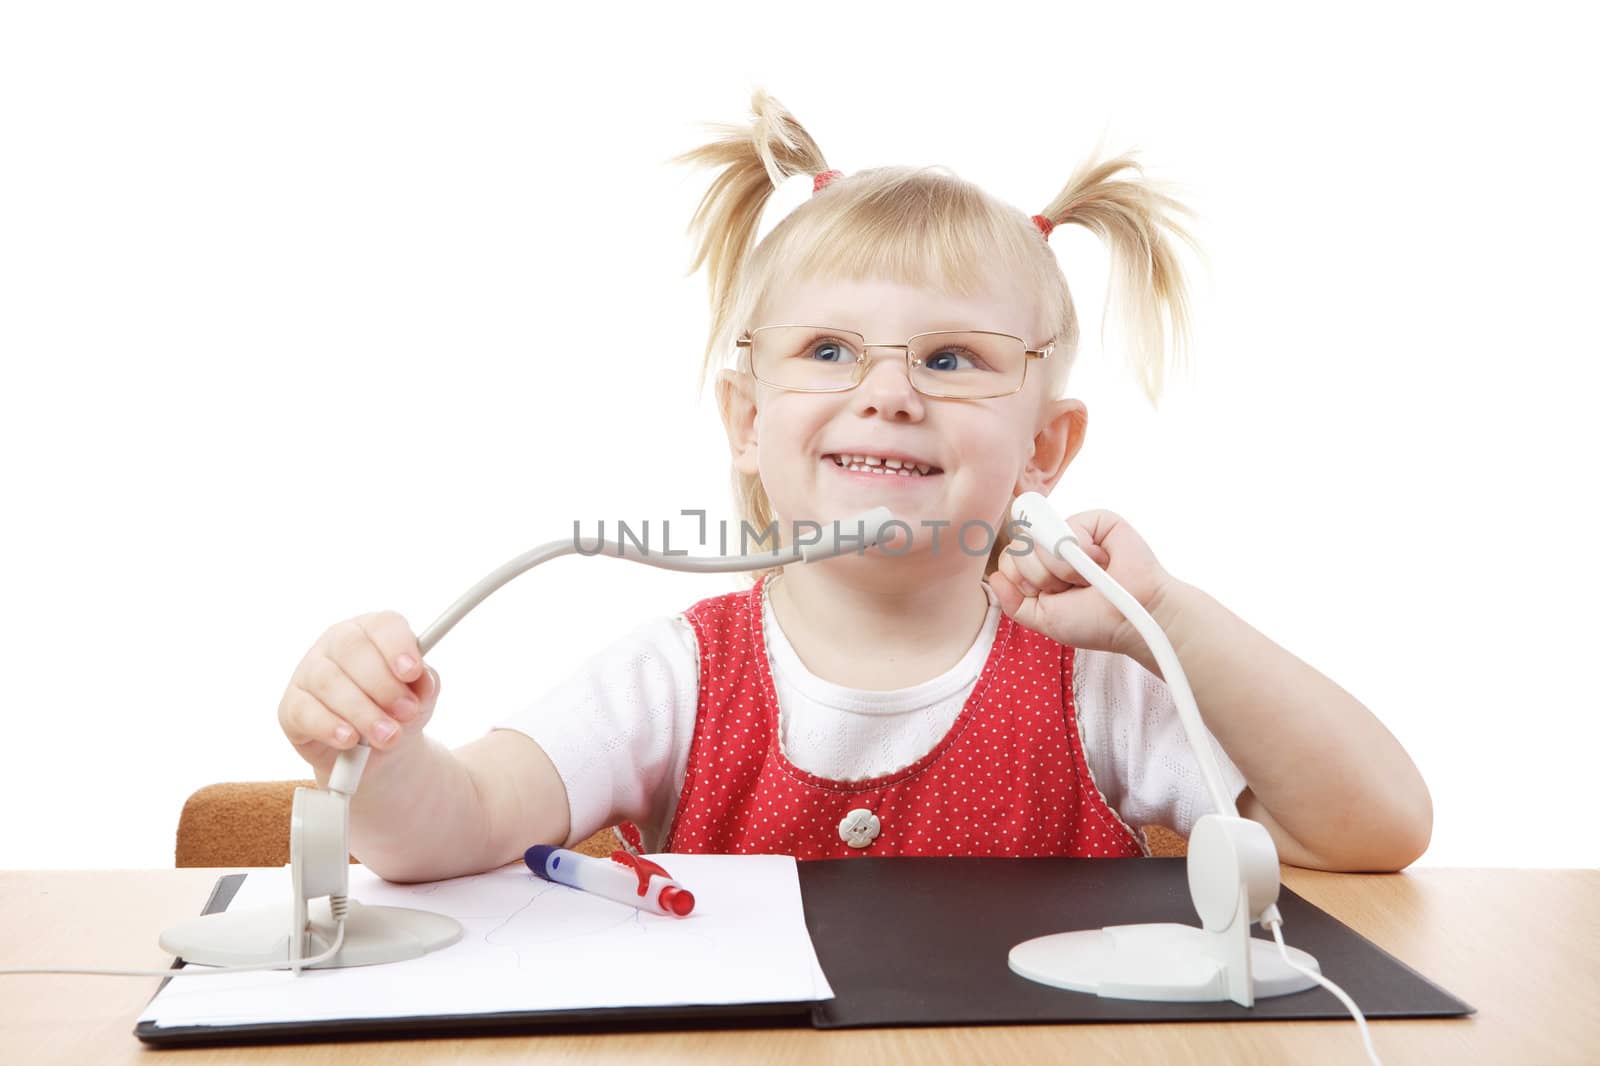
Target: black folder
x: 924, y: 941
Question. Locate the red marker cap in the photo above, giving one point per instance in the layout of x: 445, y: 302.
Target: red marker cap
x: 679, y: 901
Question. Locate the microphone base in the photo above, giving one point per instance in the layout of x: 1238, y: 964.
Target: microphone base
x: 1161, y: 962
x: 261, y: 935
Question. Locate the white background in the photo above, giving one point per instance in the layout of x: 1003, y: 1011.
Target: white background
x: 308, y: 310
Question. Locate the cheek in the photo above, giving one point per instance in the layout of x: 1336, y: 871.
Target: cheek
x: 993, y: 450
x: 772, y: 444
x: 784, y: 431
x: 780, y: 450
x: 993, y: 462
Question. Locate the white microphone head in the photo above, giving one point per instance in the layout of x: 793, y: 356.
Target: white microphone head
x: 871, y: 525
x: 1047, y: 528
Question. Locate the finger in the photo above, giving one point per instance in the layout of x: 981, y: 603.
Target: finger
x: 1007, y: 593
x: 1093, y: 529
x: 325, y: 680
x: 391, y: 634
x: 1006, y: 567
x: 1027, y: 611
x: 1089, y: 528
x: 1015, y: 582
x: 1043, y: 570
x: 1088, y: 545
x: 362, y: 661
x: 426, y: 688
x: 305, y: 720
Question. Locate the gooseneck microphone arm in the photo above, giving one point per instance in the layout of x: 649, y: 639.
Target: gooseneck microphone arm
x: 346, y: 774
x: 1050, y: 531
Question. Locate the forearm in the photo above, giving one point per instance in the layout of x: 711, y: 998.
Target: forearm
x: 1323, y: 766
x: 418, y: 816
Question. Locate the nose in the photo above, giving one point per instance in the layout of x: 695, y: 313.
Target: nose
x: 886, y: 387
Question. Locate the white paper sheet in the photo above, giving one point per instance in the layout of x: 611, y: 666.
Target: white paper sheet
x: 532, y: 945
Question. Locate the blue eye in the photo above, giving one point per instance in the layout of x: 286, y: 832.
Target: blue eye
x: 831, y: 352
x: 949, y: 359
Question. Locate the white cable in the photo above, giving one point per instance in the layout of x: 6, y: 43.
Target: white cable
x: 206, y: 971
x: 1052, y: 530
x: 1274, y: 921
x: 1049, y: 530
x: 346, y: 775
x: 871, y: 526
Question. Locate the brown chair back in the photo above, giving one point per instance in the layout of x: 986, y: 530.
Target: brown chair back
x: 246, y: 823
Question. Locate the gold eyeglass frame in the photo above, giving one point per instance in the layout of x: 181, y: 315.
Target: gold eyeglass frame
x: 747, y: 341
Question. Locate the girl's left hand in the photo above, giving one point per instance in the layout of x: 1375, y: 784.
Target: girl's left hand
x: 1044, y: 592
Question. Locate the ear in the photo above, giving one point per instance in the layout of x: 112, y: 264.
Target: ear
x: 1054, y: 446
x: 736, y: 400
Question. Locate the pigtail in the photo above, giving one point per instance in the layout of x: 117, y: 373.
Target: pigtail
x: 1136, y: 220
x: 755, y: 159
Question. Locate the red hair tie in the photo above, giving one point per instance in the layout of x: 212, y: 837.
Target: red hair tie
x: 1044, y: 224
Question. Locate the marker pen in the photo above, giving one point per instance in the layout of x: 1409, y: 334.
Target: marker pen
x: 624, y: 877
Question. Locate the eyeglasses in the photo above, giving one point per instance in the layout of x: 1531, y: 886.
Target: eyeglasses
x: 971, y: 364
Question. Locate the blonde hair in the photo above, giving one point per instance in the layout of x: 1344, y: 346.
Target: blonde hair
x: 924, y: 226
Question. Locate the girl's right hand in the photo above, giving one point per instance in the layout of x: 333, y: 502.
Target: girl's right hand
x: 363, y: 679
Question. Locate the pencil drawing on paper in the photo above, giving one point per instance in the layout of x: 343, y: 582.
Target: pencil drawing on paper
x: 522, y: 913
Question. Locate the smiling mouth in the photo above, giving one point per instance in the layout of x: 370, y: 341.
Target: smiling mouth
x: 872, y: 464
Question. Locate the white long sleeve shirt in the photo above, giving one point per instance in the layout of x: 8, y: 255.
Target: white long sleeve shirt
x: 618, y: 729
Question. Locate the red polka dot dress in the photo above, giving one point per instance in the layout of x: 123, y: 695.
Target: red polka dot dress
x: 1008, y: 779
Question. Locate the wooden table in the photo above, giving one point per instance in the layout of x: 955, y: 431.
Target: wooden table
x: 1522, y: 946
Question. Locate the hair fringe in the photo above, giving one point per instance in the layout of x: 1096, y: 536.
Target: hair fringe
x: 1136, y: 219
x: 755, y: 159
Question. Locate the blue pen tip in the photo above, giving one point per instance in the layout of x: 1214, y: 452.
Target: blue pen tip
x: 536, y: 857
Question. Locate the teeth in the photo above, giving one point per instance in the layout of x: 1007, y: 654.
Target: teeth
x: 886, y: 467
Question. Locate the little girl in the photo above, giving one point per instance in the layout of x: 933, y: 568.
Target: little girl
x: 900, y: 339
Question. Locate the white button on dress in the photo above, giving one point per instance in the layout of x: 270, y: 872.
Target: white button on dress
x: 859, y: 828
